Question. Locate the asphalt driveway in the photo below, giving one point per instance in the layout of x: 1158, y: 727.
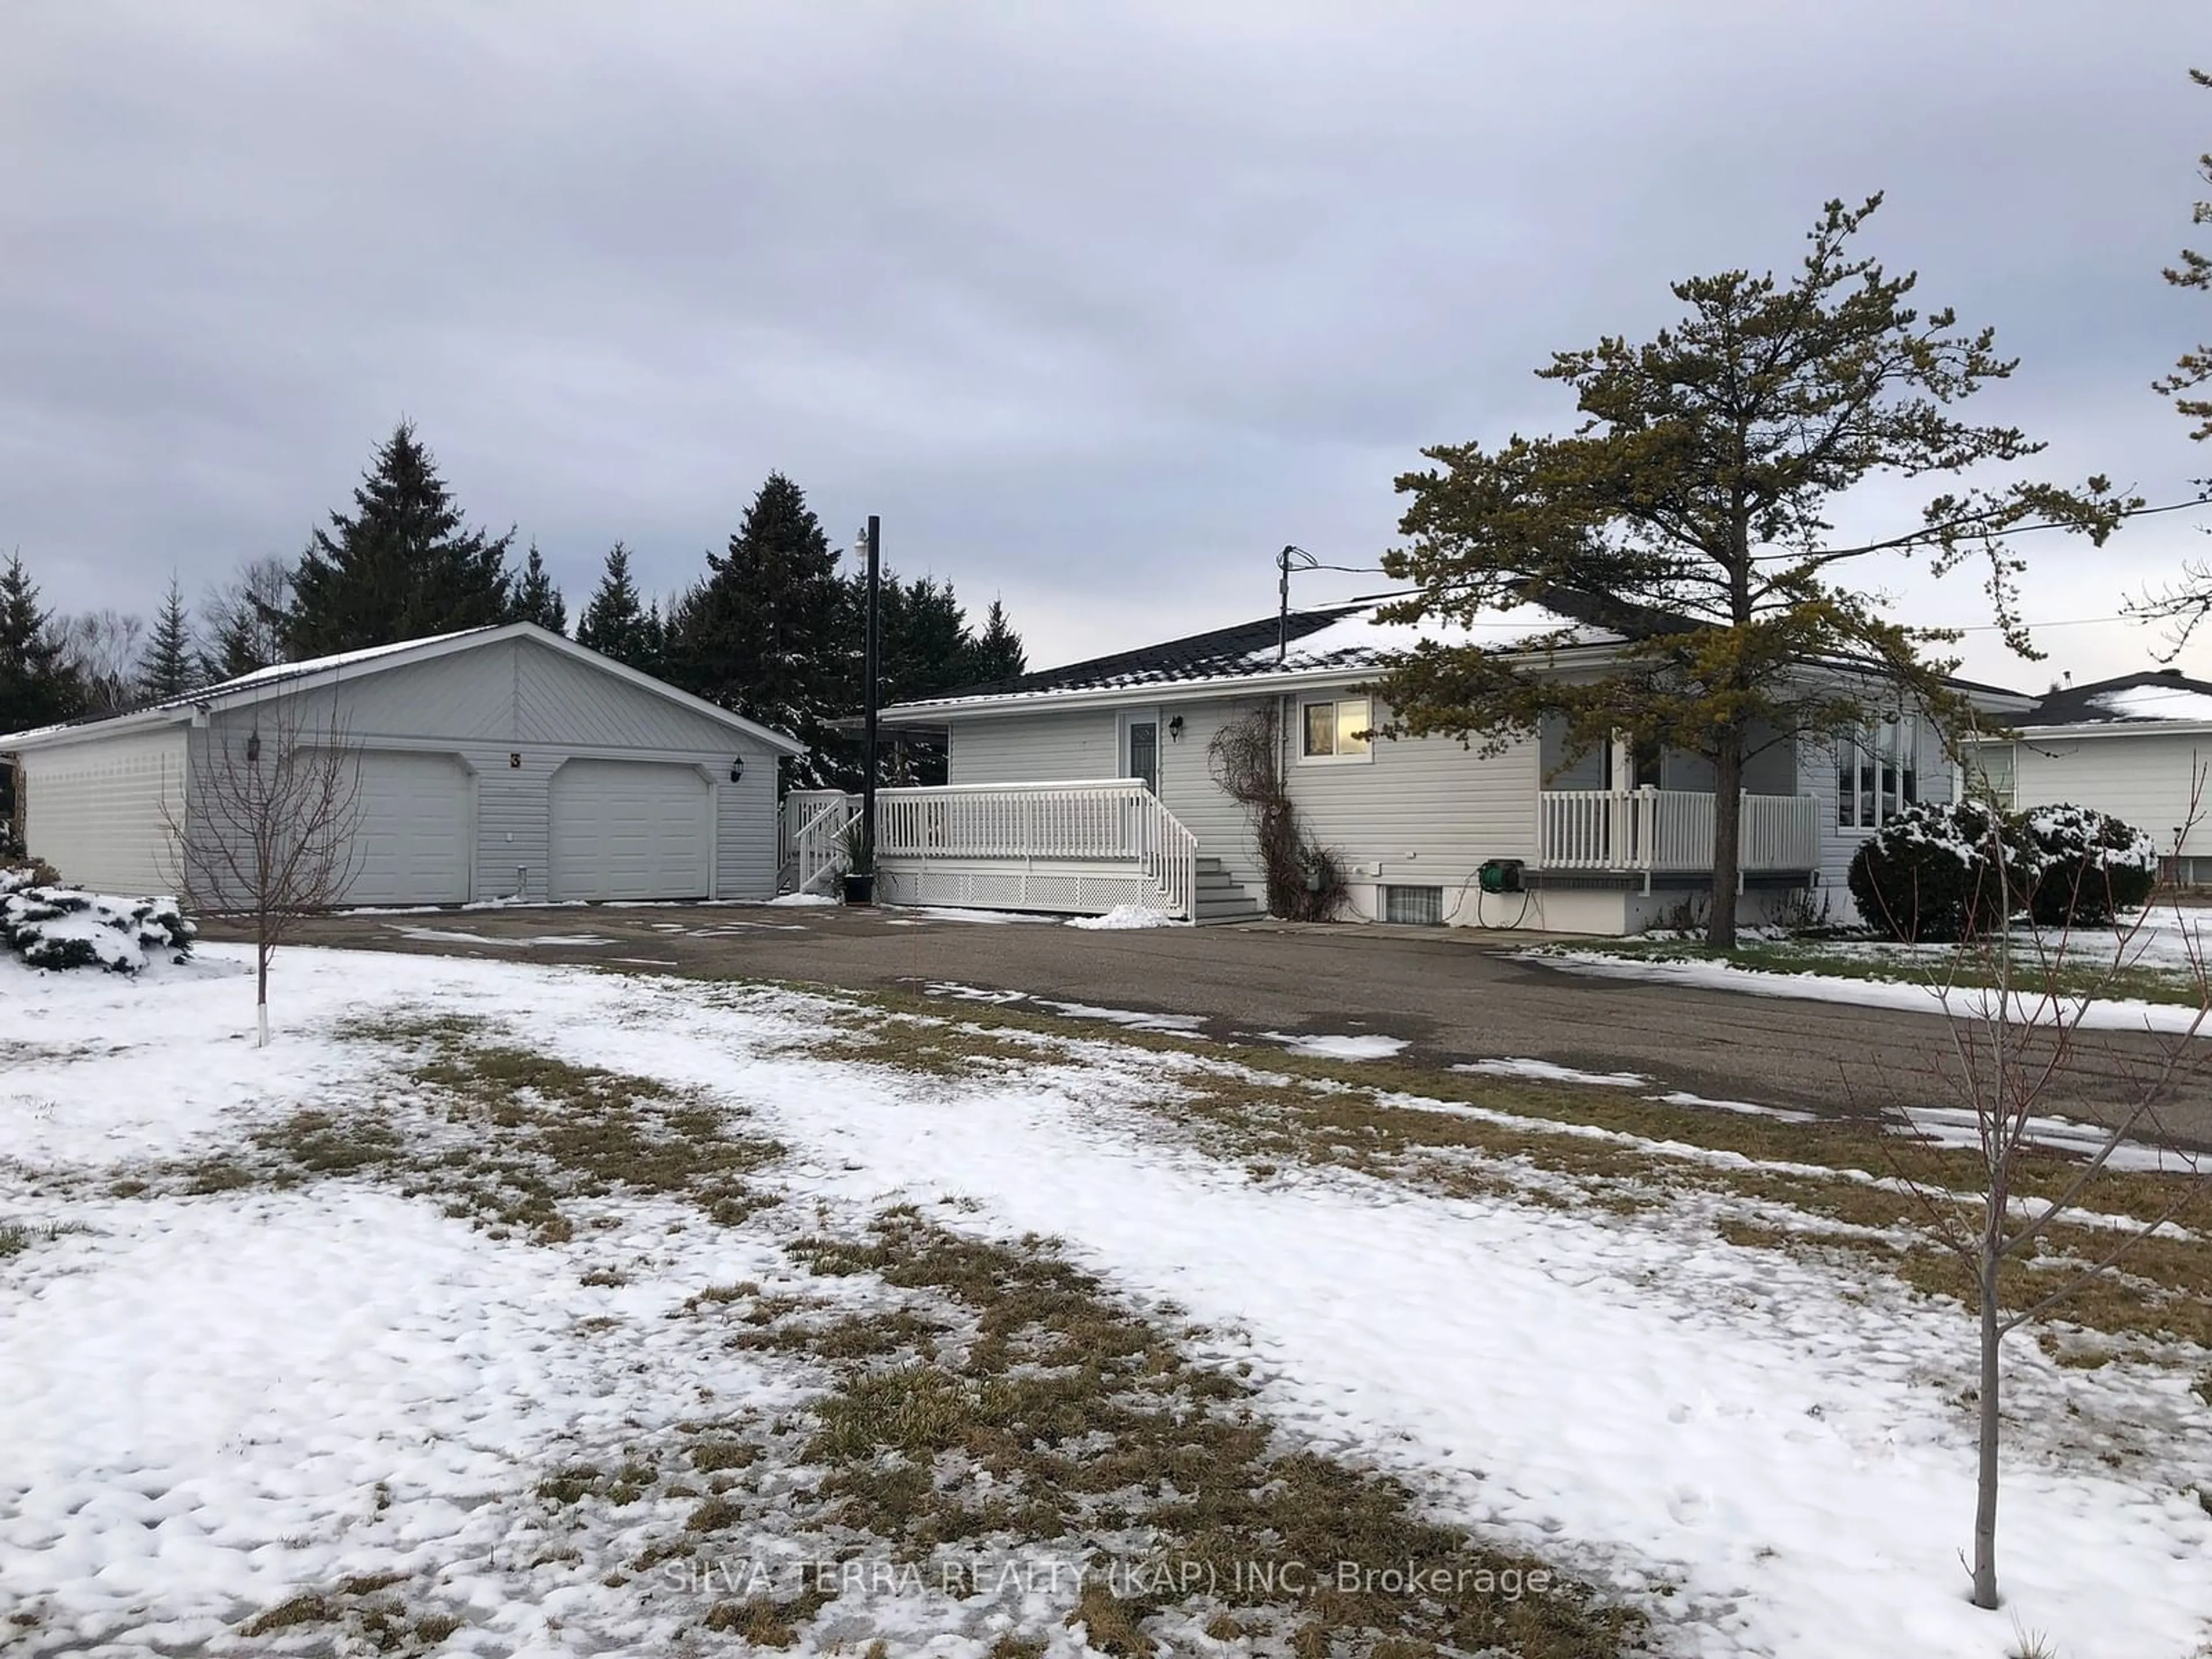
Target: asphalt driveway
x: 1452, y: 996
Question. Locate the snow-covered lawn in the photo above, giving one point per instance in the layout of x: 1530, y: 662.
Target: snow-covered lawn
x: 300, y: 1341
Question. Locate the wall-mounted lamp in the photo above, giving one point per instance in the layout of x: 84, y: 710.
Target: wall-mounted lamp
x: 737, y: 770
x: 252, y: 747
x: 1175, y: 728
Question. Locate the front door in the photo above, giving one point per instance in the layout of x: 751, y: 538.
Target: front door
x: 1144, y: 757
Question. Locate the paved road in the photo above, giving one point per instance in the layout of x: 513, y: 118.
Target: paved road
x: 1454, y: 996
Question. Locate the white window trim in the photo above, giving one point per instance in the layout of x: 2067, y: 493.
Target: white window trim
x: 1979, y: 780
x: 1890, y: 747
x: 1364, y: 758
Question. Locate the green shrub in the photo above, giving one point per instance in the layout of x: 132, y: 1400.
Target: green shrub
x: 2088, y: 866
x: 1928, y: 874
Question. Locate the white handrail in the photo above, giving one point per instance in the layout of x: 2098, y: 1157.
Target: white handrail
x: 1670, y: 831
x: 819, y: 819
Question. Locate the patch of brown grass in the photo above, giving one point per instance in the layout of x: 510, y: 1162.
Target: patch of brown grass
x: 1069, y: 1416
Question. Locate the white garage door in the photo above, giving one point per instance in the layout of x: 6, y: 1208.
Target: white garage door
x: 413, y: 818
x: 629, y: 829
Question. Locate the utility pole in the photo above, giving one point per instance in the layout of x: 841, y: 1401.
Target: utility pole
x: 871, y: 661
x: 1306, y: 562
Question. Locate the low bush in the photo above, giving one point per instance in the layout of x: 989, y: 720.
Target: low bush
x: 1927, y: 873
x: 2088, y: 866
x: 48, y: 925
x: 1932, y: 873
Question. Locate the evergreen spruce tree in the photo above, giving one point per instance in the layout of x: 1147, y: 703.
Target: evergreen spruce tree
x: 170, y: 665
x: 399, y: 566
x: 997, y: 652
x: 613, y: 623
x: 536, y: 599
x: 764, y: 634
x: 37, y: 686
x: 924, y: 642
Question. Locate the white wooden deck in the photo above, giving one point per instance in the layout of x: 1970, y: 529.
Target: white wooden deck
x: 1078, y: 848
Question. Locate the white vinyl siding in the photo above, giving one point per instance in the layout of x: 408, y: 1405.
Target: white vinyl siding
x: 629, y: 829
x: 1425, y: 813
x: 2148, y: 780
x: 1050, y: 746
x: 1223, y: 827
x: 99, y: 811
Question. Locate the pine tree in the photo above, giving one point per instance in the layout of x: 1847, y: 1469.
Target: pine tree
x: 765, y: 633
x: 38, y: 687
x: 399, y: 566
x: 170, y: 665
x: 925, y: 642
x: 614, y: 624
x: 1690, y: 512
x: 997, y: 653
x: 536, y: 599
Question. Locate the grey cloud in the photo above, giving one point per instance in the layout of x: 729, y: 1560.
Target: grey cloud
x: 1098, y: 305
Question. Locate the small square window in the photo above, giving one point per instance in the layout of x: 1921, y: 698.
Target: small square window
x: 1336, y: 730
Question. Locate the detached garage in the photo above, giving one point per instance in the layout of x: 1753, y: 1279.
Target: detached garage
x: 501, y: 764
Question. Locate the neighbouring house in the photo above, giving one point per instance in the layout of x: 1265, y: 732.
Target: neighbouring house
x: 2137, y: 746
x: 1083, y: 788
x: 504, y: 763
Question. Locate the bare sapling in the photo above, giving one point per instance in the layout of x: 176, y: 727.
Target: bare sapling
x: 265, y: 834
x: 2017, y: 994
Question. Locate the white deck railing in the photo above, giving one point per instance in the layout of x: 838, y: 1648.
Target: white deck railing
x: 1092, y: 825
x: 1670, y: 831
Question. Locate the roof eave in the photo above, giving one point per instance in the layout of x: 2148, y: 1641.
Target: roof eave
x: 1113, y: 696
x: 2113, y: 728
x: 936, y: 710
x: 53, y: 737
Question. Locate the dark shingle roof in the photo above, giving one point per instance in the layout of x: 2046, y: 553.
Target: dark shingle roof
x: 2158, y: 694
x: 1246, y: 648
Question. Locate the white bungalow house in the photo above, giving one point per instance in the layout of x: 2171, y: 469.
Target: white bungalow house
x: 1079, y: 788
x: 2138, y: 747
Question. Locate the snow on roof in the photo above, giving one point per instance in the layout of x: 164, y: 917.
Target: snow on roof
x: 289, y: 671
x: 1357, y: 639
x: 2154, y: 695
x: 2157, y: 703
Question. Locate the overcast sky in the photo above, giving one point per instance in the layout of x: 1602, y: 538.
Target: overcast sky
x: 1098, y: 305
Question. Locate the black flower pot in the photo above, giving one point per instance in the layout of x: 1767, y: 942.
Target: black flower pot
x: 861, y: 890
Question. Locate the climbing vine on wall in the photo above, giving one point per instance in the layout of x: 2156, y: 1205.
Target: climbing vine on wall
x: 1305, y: 880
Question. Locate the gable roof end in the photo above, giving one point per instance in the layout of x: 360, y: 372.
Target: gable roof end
x: 284, y: 677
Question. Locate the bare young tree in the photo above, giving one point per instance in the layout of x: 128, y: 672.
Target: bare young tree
x: 2016, y: 997
x: 102, y: 647
x: 238, y: 620
x: 266, y: 832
